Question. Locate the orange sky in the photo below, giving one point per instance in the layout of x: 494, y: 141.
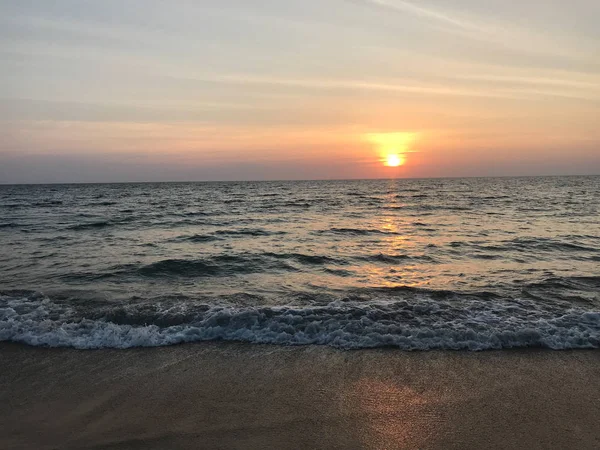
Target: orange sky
x: 317, y: 89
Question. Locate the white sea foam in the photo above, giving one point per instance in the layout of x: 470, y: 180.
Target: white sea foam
x: 420, y: 324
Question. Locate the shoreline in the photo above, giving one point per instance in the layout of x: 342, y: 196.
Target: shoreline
x: 237, y: 395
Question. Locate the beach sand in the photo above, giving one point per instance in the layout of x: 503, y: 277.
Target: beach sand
x: 229, y: 395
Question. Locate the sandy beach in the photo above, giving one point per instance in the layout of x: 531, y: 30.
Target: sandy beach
x: 227, y: 395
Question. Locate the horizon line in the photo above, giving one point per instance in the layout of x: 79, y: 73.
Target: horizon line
x: 301, y: 180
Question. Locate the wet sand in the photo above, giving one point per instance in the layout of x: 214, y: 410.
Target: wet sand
x: 227, y: 395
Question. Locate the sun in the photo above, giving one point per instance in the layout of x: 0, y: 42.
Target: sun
x: 394, y: 160
x: 393, y: 148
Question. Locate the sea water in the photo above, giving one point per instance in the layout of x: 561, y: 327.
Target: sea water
x: 478, y: 263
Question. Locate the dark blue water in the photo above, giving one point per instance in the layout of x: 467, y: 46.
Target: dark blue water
x: 417, y: 264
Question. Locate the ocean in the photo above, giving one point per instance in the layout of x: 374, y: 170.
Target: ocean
x: 462, y: 264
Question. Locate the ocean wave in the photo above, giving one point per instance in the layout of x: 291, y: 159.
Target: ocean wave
x: 393, y: 259
x: 414, y: 323
x: 588, y: 284
x: 195, y: 238
x: 227, y: 265
x: 339, y: 272
x: 296, y: 204
x: 220, y: 265
x: 428, y: 207
x: 47, y: 204
x: 306, y: 259
x: 280, y: 205
x: 195, y: 213
x: 521, y: 244
x: 549, y: 245
x: 249, y: 232
x: 90, y: 225
x: 404, y: 191
x: 104, y: 203
x: 115, y: 221
x: 216, y: 266
x: 489, y: 197
x: 356, y: 231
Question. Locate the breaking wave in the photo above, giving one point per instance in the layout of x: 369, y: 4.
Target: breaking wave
x: 410, y: 320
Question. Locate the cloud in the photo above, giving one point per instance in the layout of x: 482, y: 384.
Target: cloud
x: 348, y: 84
x: 427, y: 13
x: 484, y: 29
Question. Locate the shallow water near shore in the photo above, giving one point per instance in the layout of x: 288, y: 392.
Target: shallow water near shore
x: 415, y: 264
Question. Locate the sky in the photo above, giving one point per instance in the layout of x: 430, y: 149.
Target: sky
x: 182, y: 90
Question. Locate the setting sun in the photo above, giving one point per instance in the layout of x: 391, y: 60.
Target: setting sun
x: 392, y: 147
x: 394, y: 160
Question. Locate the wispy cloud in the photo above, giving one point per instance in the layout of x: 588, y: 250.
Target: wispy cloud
x: 346, y: 84
x: 527, y: 90
x: 536, y: 80
x: 479, y: 28
x: 402, y: 6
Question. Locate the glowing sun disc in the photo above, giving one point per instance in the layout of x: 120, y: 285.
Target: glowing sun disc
x: 394, y: 160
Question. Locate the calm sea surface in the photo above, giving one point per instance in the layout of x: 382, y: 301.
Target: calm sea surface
x: 416, y: 264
